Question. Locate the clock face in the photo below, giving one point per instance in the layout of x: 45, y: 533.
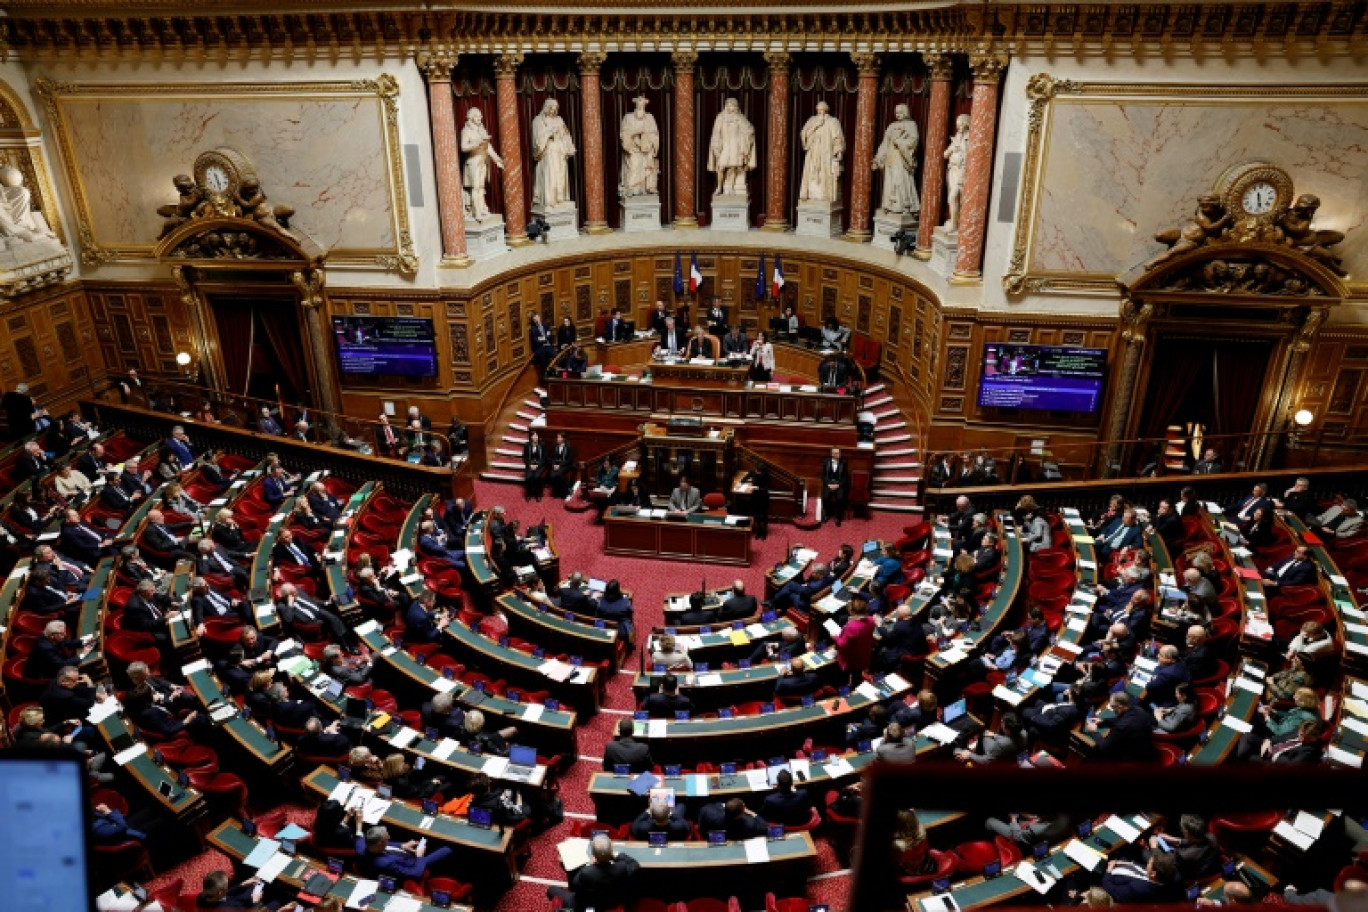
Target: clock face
x: 1259, y: 198
x: 216, y: 178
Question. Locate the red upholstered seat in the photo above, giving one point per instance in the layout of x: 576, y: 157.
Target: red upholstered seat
x: 972, y: 856
x: 943, y: 866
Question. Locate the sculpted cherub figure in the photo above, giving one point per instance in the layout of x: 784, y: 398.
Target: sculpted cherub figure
x: 178, y: 213
x: 1206, y: 225
x: 1299, y: 233
x: 254, y: 205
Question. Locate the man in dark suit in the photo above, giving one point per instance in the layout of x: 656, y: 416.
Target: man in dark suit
x: 1209, y: 464
x: 289, y: 550
x: 904, y: 638
x: 267, y: 423
x: 66, y: 574
x: 602, y: 884
x: 698, y: 614
x: 791, y: 645
x: 1242, y: 513
x: 52, y: 652
x: 562, y: 467
x: 179, y: 443
x: 798, y: 682
x: 213, y: 560
x: 92, y: 462
x: 786, y: 804
x: 276, y: 487
x: 735, y: 342
x: 1297, y: 570
x: 540, y: 343
x: 433, y: 542
x: 798, y: 593
x: 739, y: 605
x: 658, y: 318
x: 732, y: 818
x: 158, y: 537
x: 534, y: 466
x: 42, y: 597
x: 625, y: 750
x: 664, y: 703
x: 1052, y: 722
x: 987, y: 559
x: 31, y: 463
x: 457, y: 516
x: 422, y: 624
x: 1158, y: 882
x: 1122, y: 533
x: 146, y: 612
x: 69, y: 697
x: 387, y: 439
x: 661, y: 818
x: 960, y: 522
x: 1168, y: 674
x: 1130, y: 736
x: 615, y: 330
x: 832, y: 374
x: 672, y: 341
x: 835, y: 486
x: 575, y: 598
x: 442, y: 714
x: 320, y: 741
x: 1197, y: 655
x: 228, y: 535
x: 1306, y: 748
x: 113, y: 496
x: 699, y: 345
x: 324, y: 504
x: 295, y: 608
x: 1299, y: 501
x: 207, y: 603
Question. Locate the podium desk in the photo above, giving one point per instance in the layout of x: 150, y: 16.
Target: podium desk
x: 697, y: 537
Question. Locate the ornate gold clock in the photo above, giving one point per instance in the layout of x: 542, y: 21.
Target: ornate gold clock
x: 221, y: 171
x: 1255, y: 190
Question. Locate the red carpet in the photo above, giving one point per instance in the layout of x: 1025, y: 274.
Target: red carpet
x: 578, y: 539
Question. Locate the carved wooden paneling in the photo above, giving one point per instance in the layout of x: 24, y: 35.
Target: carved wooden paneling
x: 956, y: 360
x: 460, y: 345
x: 584, y: 305
x: 1346, y: 392
x: 866, y: 311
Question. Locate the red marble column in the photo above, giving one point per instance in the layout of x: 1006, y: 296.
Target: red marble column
x: 862, y: 161
x: 776, y: 182
x: 933, y: 156
x: 595, y: 206
x: 510, y: 147
x: 978, y: 166
x: 684, y: 63
x: 437, y: 66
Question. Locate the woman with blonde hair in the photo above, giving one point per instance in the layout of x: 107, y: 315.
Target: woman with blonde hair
x: 911, y: 850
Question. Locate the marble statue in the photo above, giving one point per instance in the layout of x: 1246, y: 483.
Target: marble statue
x: 825, y: 146
x: 956, y: 158
x: 897, y: 158
x: 640, y: 151
x: 475, y: 171
x: 731, y: 153
x: 551, y: 150
x: 18, y: 220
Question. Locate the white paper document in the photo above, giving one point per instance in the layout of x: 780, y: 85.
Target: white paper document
x: 1310, y: 824
x: 533, y: 711
x: 262, y: 853
x: 404, y: 737
x: 757, y: 850
x: 757, y: 779
x: 574, y: 853
x: 495, y: 767
x: 1240, y: 725
x: 445, y: 748
x: 364, y: 889
x: 271, y: 869
x: 1342, y: 756
x: 941, y: 902
x: 1084, y: 855
x: 1122, y: 827
x: 1033, y: 877
x: 1291, y: 834
x: 940, y: 733
x: 129, y: 754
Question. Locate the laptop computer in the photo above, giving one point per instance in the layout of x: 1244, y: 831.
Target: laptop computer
x: 522, y: 762
x: 955, y: 710
x: 594, y: 371
x: 596, y: 585
x: 356, y: 708
x: 870, y: 546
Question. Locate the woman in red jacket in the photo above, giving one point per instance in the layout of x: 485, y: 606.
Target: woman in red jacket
x: 855, y: 642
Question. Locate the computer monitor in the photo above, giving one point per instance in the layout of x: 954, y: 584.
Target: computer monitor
x: 992, y: 869
x: 43, y: 826
x: 717, y: 837
x: 441, y: 899
x: 871, y: 546
x: 955, y: 710
x: 481, y: 817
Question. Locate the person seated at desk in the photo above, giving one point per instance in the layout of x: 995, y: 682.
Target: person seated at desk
x: 158, y: 536
x: 64, y: 574
x: 872, y: 727
x: 377, y: 856
x: 732, y: 818
x: 289, y: 550
x: 616, y: 607
x: 337, y: 666
x: 43, y: 597
x: 700, y: 346
x: 798, y: 593
x: 1052, y: 722
x: 634, y: 495
x: 442, y: 713
x: 895, y: 747
x: 1194, y: 848
x: 1168, y: 525
x: 604, y: 883
x: 319, y: 740
x: 1297, y: 570
x: 276, y: 487
x: 1242, y: 512
x: 456, y: 516
x: 1002, y: 745
x: 1312, y: 642
x: 70, y: 696
x: 1118, y: 536
x: 212, y: 560
x: 685, y: 498
x: 1129, y: 737
x: 795, y: 681
x: 761, y: 359
x: 671, y: 342
x: 433, y: 542
x: 487, y: 742
x: 562, y: 467
x: 902, y: 638
x: 70, y: 483
x: 424, y: 621
x: 574, y: 596
x: 1157, y: 882
x: 109, y: 826
x: 228, y: 535
x: 1306, y: 748
x: 667, y: 701
x: 661, y: 818
x: 334, y: 826
x: 81, y: 542
x: 1298, y: 500
x: 698, y: 614
x: 1341, y: 521
x: 577, y: 362
x: 832, y: 374
x: 738, y: 605
x: 786, y: 805
x: 53, y: 651
x: 791, y: 645
x: 408, y: 784
x: 735, y: 342
x: 216, y: 892
x: 606, y: 476
x: 920, y: 713
x: 297, y: 609
x: 670, y: 655
x: 616, y: 330
x: 1168, y: 675
x: 625, y: 750
x: 1181, y: 715
x: 148, y: 611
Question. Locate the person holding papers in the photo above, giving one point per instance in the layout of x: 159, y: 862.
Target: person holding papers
x: 1194, y: 849
x: 216, y: 892
x: 685, y: 498
x: 606, y: 476
x: 661, y: 818
x: 761, y: 359
x: 423, y: 621
x: 377, y: 856
x: 602, y: 884
x: 671, y: 340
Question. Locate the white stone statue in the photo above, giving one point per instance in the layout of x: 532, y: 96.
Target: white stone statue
x: 897, y: 159
x: 18, y: 220
x: 551, y: 150
x: 731, y: 153
x: 825, y: 145
x: 956, y: 156
x: 475, y: 172
x: 640, y: 152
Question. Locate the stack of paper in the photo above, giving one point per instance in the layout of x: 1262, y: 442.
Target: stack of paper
x: 1033, y: 877
x: 940, y: 733
x: 1290, y: 833
x: 1240, y: 725
x: 574, y: 853
x: 1122, y: 827
x: 1084, y: 855
x: 757, y: 850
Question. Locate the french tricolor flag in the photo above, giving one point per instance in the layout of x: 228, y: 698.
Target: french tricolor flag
x: 778, y: 284
x: 695, y: 277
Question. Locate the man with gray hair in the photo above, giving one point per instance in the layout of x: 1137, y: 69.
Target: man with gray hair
x: 322, y: 741
x: 603, y: 883
x: 52, y: 652
x: 1341, y: 521
x: 659, y: 818
x: 207, y: 603
x: 407, y: 861
x: 64, y: 573
x: 336, y: 666
x: 179, y: 443
x: 1298, y: 499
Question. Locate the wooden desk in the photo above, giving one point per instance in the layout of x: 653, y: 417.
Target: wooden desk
x: 716, y: 375
x: 730, y: 686
x: 551, y: 629
x: 700, y: 538
x: 90, y: 621
x: 184, y: 640
x: 266, y: 756
x: 552, y: 731
x: 259, y: 593
x: 719, y: 643
x: 582, y: 690
x: 483, y: 856
x: 334, y: 557
x: 408, y: 541
x: 1222, y: 739
x: 187, y: 806
x: 229, y: 839
x: 997, y: 610
x: 483, y: 573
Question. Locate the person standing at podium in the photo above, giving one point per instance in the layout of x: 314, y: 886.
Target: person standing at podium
x: 761, y: 359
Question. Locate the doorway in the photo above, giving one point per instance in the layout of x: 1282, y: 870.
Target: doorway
x: 262, y: 342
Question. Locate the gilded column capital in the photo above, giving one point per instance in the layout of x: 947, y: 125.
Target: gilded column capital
x: 866, y: 63
x: 987, y: 67
x: 684, y: 60
x: 437, y: 63
x: 941, y: 65
x: 590, y: 62
x: 779, y: 61
x: 507, y: 64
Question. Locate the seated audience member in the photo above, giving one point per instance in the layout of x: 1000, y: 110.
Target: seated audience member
x: 1340, y: 522
x: 698, y: 613
x: 1298, y: 569
x: 575, y: 597
x: 108, y: 826
x: 423, y: 621
x: 1052, y: 722
x: 443, y: 715
x: 625, y: 750
x: 1029, y: 830
x: 1275, y: 727
x: 796, y: 681
x: 1120, y: 535
x: 1168, y: 525
x: 667, y: 701
x: 207, y: 603
x: 787, y: 805
x: 478, y: 738
x: 1129, y: 737
x: 70, y: 696
x: 70, y: 483
x: 798, y: 593
x: 212, y: 560
x: 506, y: 808
x: 1281, y: 685
x: 791, y: 645
x: 616, y: 607
x: 408, y: 784
x: 324, y: 504
x: 659, y: 817
x: 365, y: 766
x: 1178, y: 717
x: 148, y: 612
x: 291, y: 551
x: 228, y: 535
x: 911, y: 848
x: 433, y: 543
x: 334, y: 826
x: 1306, y: 748
x: 1168, y: 674
x: 732, y: 818
x: 1002, y: 745
x: 351, y: 672
x: 1298, y: 500
x: 297, y: 609
x: 319, y: 740
x: 1209, y: 464
x: 1194, y: 848
x: 1242, y: 511
x: 1312, y: 642
x: 895, y: 747
x: 81, y: 542
x: 603, y: 883
x: 52, y: 652
x: 377, y: 856
x: 738, y: 606
x: 218, y: 892
x: 633, y: 495
x: 685, y: 498
x: 1035, y: 532
x: 1157, y: 882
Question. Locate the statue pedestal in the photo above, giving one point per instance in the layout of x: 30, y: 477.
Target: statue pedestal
x: 887, y: 224
x: 944, y: 243
x: 730, y: 213
x: 641, y: 213
x: 818, y: 219
x: 564, y: 221
x: 29, y: 265
x: 485, y: 238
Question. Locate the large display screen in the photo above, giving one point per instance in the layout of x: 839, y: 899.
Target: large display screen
x: 1046, y: 377
x: 386, y: 345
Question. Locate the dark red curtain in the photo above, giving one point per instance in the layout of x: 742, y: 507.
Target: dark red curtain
x: 821, y: 77
x: 1176, y: 386
x: 233, y: 319
x: 745, y: 77
x: 279, y: 320
x: 1239, y: 368
x: 472, y: 84
x: 556, y: 76
x: 625, y: 76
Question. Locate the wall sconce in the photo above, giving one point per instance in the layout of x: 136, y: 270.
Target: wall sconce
x: 187, y: 366
x: 1303, y: 418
